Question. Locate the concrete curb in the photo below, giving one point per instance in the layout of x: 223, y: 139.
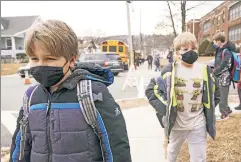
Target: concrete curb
x: 132, y: 102
x: 140, y: 102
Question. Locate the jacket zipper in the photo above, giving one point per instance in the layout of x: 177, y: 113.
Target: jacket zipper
x: 48, y: 128
x: 171, y: 99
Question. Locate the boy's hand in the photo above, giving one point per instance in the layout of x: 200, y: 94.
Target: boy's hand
x: 159, y: 116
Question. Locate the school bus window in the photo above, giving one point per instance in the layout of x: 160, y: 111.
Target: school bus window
x: 121, y: 49
x: 112, y: 48
x: 104, y: 48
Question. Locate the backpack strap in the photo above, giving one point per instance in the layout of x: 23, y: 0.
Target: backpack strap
x: 24, y: 121
x: 27, y: 98
x: 87, y: 105
x: 223, y: 53
x: 86, y: 101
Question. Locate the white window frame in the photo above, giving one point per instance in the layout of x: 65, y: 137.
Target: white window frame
x: 235, y: 12
x: 234, y: 33
x: 6, y: 40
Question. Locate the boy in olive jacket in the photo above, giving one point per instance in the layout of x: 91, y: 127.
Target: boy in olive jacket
x: 185, y: 97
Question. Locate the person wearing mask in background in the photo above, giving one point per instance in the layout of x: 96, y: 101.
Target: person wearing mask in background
x: 53, y: 123
x: 185, y: 96
x: 221, y: 71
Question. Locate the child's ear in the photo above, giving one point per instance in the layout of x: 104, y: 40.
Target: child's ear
x: 176, y: 55
x: 72, y: 61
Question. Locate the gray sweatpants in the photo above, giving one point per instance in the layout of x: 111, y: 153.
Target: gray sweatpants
x: 223, y: 104
x: 196, y: 144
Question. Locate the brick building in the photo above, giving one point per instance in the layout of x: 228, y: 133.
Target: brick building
x: 193, y: 27
x: 226, y: 17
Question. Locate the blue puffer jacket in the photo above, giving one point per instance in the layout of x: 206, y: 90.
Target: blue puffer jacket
x: 62, y: 135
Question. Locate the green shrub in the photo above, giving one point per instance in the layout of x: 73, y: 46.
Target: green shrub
x: 210, y: 50
x: 21, y: 55
x: 202, y: 47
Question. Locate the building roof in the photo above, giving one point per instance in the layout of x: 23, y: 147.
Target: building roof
x: 13, y: 25
x: 223, y: 3
x: 195, y: 21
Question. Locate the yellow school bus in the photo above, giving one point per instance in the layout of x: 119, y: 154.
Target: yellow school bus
x: 118, y: 47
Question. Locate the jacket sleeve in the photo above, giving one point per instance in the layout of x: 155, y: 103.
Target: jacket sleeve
x: 225, y: 64
x: 216, y: 89
x: 157, y: 96
x: 15, y: 145
x: 111, y: 127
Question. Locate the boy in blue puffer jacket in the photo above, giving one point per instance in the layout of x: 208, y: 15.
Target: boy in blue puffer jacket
x: 52, y: 125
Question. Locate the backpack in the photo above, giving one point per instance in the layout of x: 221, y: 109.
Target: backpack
x: 86, y: 101
x: 235, y: 69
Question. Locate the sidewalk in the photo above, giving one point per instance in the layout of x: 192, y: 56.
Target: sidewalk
x: 145, y: 134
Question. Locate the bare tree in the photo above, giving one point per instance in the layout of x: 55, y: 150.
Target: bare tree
x: 182, y: 10
x: 183, y: 15
x: 171, y: 16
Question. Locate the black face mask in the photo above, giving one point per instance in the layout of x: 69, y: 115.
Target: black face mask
x: 190, y: 57
x: 48, y: 75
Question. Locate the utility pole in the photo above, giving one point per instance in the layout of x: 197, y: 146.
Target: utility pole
x: 129, y: 32
x: 141, y: 41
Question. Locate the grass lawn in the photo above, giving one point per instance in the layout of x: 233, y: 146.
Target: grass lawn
x: 9, y: 69
x: 227, y: 145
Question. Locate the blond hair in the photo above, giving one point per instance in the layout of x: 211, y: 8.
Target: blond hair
x: 220, y: 36
x: 183, y: 39
x: 57, y: 37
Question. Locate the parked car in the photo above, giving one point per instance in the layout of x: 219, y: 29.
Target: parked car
x: 21, y: 70
x: 104, y: 59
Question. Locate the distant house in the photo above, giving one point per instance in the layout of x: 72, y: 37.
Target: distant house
x: 13, y: 31
x: 87, y: 47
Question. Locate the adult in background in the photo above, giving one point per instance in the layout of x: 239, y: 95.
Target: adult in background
x: 157, y: 63
x: 149, y: 60
x: 170, y: 56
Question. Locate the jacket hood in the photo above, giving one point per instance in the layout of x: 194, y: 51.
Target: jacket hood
x: 89, y: 71
x: 230, y: 45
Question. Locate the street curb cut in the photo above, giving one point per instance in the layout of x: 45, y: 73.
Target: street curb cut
x: 140, y: 102
x: 132, y: 102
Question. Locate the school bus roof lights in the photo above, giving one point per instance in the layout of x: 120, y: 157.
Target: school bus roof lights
x: 121, y: 44
x: 105, y: 43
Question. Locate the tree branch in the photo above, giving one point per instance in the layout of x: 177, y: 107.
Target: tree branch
x: 173, y: 25
x: 201, y: 3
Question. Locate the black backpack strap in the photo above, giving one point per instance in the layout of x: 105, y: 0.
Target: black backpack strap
x: 86, y: 101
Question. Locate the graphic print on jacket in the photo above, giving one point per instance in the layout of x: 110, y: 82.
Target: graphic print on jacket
x: 62, y: 134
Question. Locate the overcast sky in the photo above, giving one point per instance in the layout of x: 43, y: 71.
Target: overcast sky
x: 103, y: 18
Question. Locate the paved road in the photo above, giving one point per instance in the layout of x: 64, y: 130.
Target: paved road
x: 12, y: 89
